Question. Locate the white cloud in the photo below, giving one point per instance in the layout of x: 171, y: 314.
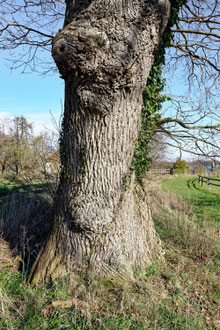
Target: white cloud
x: 4, y: 99
x: 4, y: 115
x: 41, y: 121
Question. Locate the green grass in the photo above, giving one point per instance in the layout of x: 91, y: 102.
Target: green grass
x: 109, y: 306
x: 11, y: 186
x: 182, y: 292
x: 22, y: 187
x: 205, y: 202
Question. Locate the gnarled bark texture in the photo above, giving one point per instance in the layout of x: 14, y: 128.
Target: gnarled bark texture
x: 104, y: 52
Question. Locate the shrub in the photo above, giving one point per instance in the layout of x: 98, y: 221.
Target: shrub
x: 180, y: 167
x: 200, y: 170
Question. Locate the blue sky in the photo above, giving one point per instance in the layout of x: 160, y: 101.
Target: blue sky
x: 35, y: 96
x: 31, y: 95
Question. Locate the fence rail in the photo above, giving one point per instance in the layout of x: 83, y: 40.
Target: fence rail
x: 159, y: 170
x: 208, y: 180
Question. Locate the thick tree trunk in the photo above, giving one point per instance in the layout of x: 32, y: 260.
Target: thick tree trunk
x: 101, y: 222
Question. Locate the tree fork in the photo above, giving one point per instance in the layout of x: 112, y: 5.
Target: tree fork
x: 104, y: 52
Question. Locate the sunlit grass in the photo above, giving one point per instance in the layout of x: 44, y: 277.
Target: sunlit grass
x: 206, y: 202
x: 181, y: 292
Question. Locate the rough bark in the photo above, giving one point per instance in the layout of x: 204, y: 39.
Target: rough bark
x: 104, y: 52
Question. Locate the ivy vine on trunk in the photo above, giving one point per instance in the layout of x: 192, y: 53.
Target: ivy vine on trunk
x: 153, y: 99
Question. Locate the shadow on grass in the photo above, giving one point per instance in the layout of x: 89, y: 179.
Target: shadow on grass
x: 206, y: 202
x: 191, y: 184
x: 25, y: 221
x: 204, y: 193
x: 6, y: 189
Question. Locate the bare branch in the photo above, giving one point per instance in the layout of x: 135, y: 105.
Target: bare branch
x: 26, y: 28
x: 181, y: 123
x: 197, y: 32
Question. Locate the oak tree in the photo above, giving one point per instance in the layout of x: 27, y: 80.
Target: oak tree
x: 104, y: 52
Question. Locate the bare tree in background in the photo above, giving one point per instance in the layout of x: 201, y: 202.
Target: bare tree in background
x: 191, y: 126
x: 157, y: 150
x: 190, y: 122
x: 104, y: 52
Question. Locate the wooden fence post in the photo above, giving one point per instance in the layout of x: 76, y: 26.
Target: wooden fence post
x: 207, y: 180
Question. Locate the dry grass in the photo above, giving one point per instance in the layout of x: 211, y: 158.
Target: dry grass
x: 180, y: 293
x: 25, y: 223
x: 7, y: 305
x: 176, y: 217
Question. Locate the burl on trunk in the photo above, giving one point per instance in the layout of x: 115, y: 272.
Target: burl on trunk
x: 104, y: 52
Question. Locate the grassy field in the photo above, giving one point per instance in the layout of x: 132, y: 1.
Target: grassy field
x: 206, y: 203
x: 13, y: 186
x: 179, y: 291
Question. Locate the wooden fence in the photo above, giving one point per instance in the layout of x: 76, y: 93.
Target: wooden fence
x: 208, y: 180
x: 158, y: 170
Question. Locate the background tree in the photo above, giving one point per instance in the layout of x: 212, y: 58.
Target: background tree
x: 42, y: 146
x: 157, y: 151
x: 20, y: 149
x: 190, y: 121
x: 20, y: 134
x: 5, y: 152
x: 180, y: 167
x: 192, y: 126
